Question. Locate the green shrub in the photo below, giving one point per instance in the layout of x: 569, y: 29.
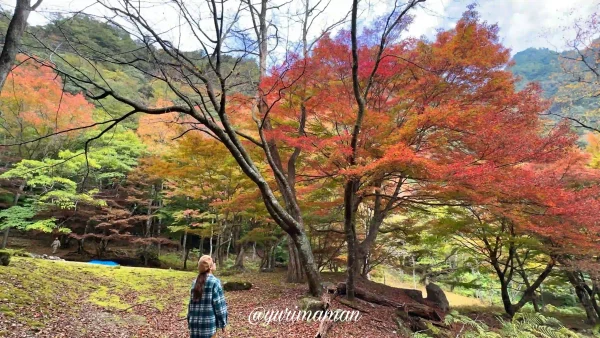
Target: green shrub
x: 526, y: 325
x: 472, y: 328
x: 149, y: 255
x: 4, y: 257
x: 173, y: 260
x: 17, y: 252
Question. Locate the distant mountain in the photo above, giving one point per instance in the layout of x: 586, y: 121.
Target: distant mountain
x: 570, y: 98
x: 538, y: 65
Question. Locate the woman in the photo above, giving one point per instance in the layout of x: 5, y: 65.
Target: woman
x: 207, y: 310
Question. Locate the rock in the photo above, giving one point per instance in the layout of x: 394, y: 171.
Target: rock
x: 237, y: 286
x: 44, y: 256
x: 329, y: 287
x: 436, y: 295
x: 311, y: 304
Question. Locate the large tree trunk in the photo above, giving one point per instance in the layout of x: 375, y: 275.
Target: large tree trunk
x: 295, y: 273
x: 308, y: 262
x: 584, y: 297
x: 14, y: 33
x: 285, y: 179
x: 239, y: 260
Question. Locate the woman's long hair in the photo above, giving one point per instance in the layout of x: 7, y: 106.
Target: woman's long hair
x: 204, y: 265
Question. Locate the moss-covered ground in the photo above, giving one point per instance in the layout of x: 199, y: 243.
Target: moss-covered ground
x: 43, y: 298
x: 34, y: 293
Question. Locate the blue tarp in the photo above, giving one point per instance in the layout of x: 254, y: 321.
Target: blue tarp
x: 108, y: 263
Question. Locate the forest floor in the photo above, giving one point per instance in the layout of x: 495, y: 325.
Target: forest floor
x: 43, y: 298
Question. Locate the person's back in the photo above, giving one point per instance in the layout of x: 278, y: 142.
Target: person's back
x: 207, y: 310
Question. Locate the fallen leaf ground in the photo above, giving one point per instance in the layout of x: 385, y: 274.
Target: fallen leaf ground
x: 41, y: 298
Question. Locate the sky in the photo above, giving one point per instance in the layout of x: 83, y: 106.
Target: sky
x: 523, y: 23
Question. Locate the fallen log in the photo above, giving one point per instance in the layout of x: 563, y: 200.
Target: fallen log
x: 368, y: 296
x: 412, y: 309
x: 352, y: 305
x: 422, y: 311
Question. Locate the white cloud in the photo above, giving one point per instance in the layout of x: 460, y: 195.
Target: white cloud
x: 523, y: 23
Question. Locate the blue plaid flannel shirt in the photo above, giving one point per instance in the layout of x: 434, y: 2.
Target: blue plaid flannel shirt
x: 210, y: 312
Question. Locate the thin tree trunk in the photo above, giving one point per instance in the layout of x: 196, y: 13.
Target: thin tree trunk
x: 414, y: 266
x: 184, y: 256
x: 527, y: 295
x: 158, y: 228
x: 229, y: 244
x: 13, y: 37
x: 350, y: 234
x: 15, y: 202
x: 584, y: 297
x: 149, y: 214
x: 220, y: 249
x: 523, y: 274
x: 271, y: 261
x: 210, y: 241
x: 159, y: 221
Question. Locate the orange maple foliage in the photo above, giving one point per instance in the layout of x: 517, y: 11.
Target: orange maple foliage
x: 34, y: 105
x: 445, y: 125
